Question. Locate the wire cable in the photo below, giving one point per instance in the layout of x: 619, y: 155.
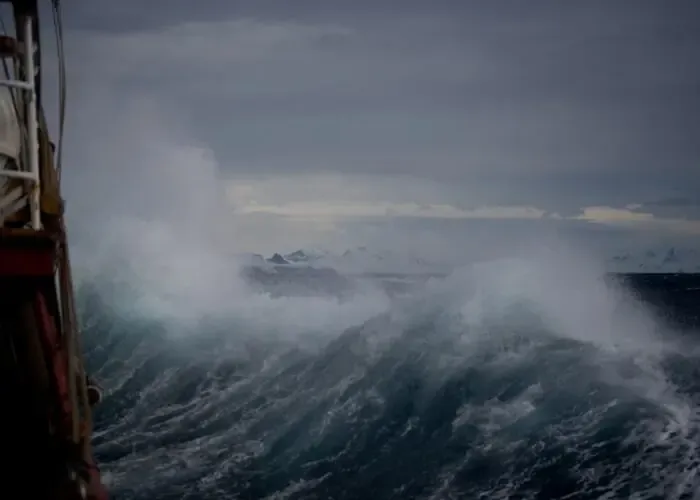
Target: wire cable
x: 58, y: 29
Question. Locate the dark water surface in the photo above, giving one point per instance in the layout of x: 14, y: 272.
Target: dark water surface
x: 443, y: 399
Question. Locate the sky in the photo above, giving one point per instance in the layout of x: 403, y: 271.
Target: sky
x: 437, y: 125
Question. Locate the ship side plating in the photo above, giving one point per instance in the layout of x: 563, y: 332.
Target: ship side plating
x: 47, y: 395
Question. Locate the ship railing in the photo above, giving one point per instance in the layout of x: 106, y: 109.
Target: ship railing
x: 30, y: 173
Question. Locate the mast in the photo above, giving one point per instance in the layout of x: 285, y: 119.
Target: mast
x: 46, y: 392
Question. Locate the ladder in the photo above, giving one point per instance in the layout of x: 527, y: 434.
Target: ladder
x: 28, y: 170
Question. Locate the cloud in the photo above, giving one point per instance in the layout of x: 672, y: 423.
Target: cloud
x: 633, y: 218
x: 322, y: 210
x: 614, y: 215
x: 197, y: 51
x: 283, y: 126
x: 673, y: 202
x: 532, y: 97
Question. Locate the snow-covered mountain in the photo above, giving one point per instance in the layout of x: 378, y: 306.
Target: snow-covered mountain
x: 364, y: 261
x: 303, y: 256
x: 354, y: 261
x: 665, y: 260
x: 278, y: 260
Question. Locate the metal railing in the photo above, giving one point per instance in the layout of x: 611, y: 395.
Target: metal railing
x: 29, y: 172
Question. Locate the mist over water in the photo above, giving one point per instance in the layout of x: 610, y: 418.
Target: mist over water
x: 526, y: 377
x: 529, y: 378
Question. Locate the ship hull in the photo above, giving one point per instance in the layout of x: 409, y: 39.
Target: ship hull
x: 45, y: 460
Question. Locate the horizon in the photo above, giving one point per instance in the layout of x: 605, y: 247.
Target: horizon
x: 257, y: 126
x: 663, y: 260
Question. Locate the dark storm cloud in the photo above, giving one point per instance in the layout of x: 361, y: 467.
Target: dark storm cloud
x: 547, y: 103
x: 684, y: 207
x: 674, y: 202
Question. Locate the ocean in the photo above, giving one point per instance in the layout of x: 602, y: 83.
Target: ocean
x: 499, y: 381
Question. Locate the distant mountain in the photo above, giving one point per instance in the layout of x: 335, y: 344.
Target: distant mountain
x: 352, y: 261
x: 362, y: 260
x: 667, y: 260
x: 298, y: 256
x: 278, y: 260
x: 305, y: 256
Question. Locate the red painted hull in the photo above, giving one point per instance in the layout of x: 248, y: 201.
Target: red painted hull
x: 30, y: 307
x: 27, y: 254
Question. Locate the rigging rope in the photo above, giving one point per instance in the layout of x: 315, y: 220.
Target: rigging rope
x: 78, y: 395
x: 76, y: 364
x: 75, y: 359
x: 58, y: 29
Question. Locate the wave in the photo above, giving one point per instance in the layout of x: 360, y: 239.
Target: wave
x: 527, y: 378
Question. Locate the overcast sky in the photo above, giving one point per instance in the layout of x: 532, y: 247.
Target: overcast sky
x: 333, y: 123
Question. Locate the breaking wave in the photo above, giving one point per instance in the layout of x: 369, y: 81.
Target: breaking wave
x: 529, y: 378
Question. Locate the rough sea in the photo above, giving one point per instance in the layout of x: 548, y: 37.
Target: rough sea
x: 505, y: 380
